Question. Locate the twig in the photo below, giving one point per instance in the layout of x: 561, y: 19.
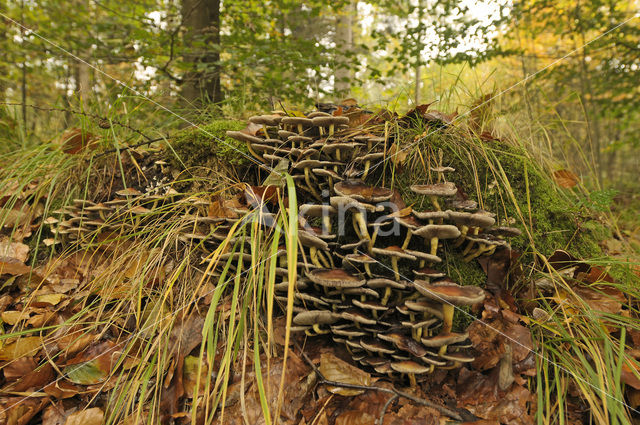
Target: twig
x: 324, y: 381
x: 127, y: 147
x: 386, y: 406
x: 85, y: 114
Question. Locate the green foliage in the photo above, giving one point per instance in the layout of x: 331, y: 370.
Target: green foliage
x: 208, y: 145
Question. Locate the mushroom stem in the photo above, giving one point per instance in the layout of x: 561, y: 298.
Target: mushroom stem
x: 307, y: 178
x: 300, y: 129
x: 323, y: 260
x: 447, y: 317
x: 326, y: 223
x: 367, y: 164
x: 394, y: 265
x: 434, y: 201
x: 331, y: 127
x: 463, y: 232
x: 367, y: 269
x: 264, y: 128
x: 412, y: 380
x: 313, y: 253
x: 434, y: 246
x: 386, y: 296
x: 407, y: 239
x: 483, y: 248
x: 363, y: 228
x: 252, y: 152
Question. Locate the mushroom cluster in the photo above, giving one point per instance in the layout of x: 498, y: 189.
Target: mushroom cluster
x: 368, y: 263
x: 319, y: 149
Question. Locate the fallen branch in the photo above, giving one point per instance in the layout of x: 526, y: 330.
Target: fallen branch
x: 460, y: 416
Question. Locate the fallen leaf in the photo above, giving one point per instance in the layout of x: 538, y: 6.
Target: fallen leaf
x: 565, y: 178
x: 93, y: 365
x: 93, y: 416
x: 12, y: 317
x: 190, y: 372
x: 354, y: 417
x: 16, y: 250
x: 22, y: 347
x: 337, y: 370
x: 75, y: 140
x: 13, y: 266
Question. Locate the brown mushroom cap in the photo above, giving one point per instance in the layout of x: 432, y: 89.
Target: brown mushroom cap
x: 424, y: 306
x: 347, y: 330
x: 462, y: 218
x: 409, y: 366
x: 424, y: 256
x: 354, y: 315
x: 404, y: 343
x: 444, y: 339
x: 394, y: 251
x: 429, y: 273
x: 284, y: 134
x: 334, y: 278
x: 450, y: 293
x: 244, y: 137
x: 385, y: 283
x: 309, y: 240
x: 439, y: 189
x: 361, y: 191
x: 369, y: 305
x: 375, y: 346
x: 442, y: 169
x: 323, y: 121
x: 297, y: 121
x: 440, y: 231
x: 315, y: 317
x: 271, y: 120
x: 458, y: 357
x: 359, y: 259
x: 464, y: 204
x: 129, y: 191
x: 348, y: 203
x: 431, y: 215
x: 504, y: 232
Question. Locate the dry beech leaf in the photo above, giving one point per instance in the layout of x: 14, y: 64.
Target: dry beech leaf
x: 93, y: 416
x: 334, y: 369
x: 398, y: 156
x: 190, y: 375
x: 12, y: 266
x: 76, y: 140
x: 25, y: 346
x: 355, y: 417
x: 16, y: 250
x: 565, y: 178
x: 12, y: 317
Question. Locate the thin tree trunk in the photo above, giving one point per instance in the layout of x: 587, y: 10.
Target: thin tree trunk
x: 23, y: 87
x: 3, y: 68
x: 344, y: 43
x: 418, y: 64
x: 201, y: 19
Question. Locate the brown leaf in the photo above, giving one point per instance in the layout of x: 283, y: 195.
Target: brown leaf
x: 35, y: 379
x: 337, y: 370
x: 54, y: 415
x: 20, y: 410
x: 18, y: 368
x: 354, y: 417
x: 75, y: 140
x: 12, y: 266
x: 93, y: 416
x: 397, y: 155
x: 16, y: 250
x: 630, y: 375
x: 565, y: 178
x: 22, y: 347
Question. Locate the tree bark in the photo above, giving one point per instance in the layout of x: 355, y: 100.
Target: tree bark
x: 344, y: 43
x: 201, y: 20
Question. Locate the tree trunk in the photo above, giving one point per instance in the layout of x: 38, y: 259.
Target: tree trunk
x: 344, y: 43
x: 201, y: 19
x: 3, y: 47
x: 418, y: 63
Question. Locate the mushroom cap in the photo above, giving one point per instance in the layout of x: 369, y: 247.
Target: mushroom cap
x: 462, y: 218
x: 444, y: 339
x: 326, y: 173
x: 464, y: 204
x: 450, y: 292
x: 431, y: 215
x: 347, y: 330
x: 313, y: 163
x: 271, y: 120
x: 458, y: 357
x: 316, y: 210
x: 129, y: 191
x: 323, y: 121
x: 504, y: 231
x: 361, y: 191
x: 347, y: 203
x: 422, y: 305
x: 361, y: 291
x: 244, y: 137
x: 296, y: 121
x: 304, y: 297
x: 359, y: 259
x: 409, y: 366
x: 394, y: 251
x: 429, y: 272
x: 354, y: 245
x: 318, y: 114
x: 404, y: 343
x: 440, y: 231
x: 315, y: 317
x: 375, y: 346
x: 369, y: 305
x: 385, y: 283
x: 487, y: 239
x: 354, y: 315
x: 439, y: 189
x: 284, y: 134
x: 310, y: 240
x: 441, y: 169
x: 373, y: 361
x: 424, y: 256
x: 335, y: 278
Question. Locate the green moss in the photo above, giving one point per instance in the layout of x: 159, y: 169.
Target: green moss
x: 507, y: 182
x: 209, y: 146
